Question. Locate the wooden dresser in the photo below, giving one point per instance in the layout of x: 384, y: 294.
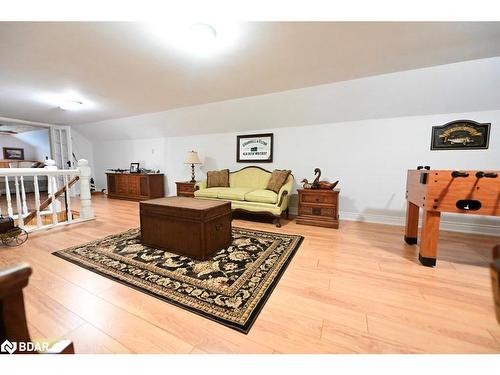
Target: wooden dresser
x: 185, y: 189
x: 318, y: 207
x: 135, y: 186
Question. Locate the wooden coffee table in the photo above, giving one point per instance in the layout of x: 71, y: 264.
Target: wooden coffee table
x: 196, y: 228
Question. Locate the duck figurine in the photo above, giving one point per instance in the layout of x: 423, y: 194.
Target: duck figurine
x: 323, y: 185
x: 306, y: 184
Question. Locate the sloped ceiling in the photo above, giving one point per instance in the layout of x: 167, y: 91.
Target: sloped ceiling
x: 469, y: 86
x: 126, y: 71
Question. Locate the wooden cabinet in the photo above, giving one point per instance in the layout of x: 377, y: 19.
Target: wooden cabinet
x: 135, y: 186
x: 318, y: 207
x: 185, y: 189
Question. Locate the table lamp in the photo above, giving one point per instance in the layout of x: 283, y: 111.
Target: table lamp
x: 192, y: 159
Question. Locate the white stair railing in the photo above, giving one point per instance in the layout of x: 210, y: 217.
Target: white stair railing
x: 26, y: 180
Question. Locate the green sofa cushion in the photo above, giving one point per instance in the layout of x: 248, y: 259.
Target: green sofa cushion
x: 237, y: 194
x: 261, y: 195
x: 208, y: 193
x: 249, y: 178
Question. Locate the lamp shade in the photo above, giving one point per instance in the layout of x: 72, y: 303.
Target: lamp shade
x: 192, y: 158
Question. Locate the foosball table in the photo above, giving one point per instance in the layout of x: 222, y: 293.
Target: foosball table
x: 466, y: 192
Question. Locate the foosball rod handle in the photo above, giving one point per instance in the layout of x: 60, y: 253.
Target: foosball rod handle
x: 459, y: 174
x: 423, y: 167
x: 482, y: 174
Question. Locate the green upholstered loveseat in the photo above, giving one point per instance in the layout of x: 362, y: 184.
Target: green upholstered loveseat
x: 247, y: 192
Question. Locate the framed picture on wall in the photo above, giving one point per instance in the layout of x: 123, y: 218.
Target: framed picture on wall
x: 254, y: 148
x: 460, y: 135
x: 13, y: 153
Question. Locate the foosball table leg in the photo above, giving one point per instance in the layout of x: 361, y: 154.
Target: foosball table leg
x: 411, y: 229
x: 430, y: 237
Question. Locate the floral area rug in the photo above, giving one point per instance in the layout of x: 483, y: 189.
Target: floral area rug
x: 230, y: 288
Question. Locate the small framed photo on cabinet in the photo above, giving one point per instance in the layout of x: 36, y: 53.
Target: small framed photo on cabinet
x: 134, y: 167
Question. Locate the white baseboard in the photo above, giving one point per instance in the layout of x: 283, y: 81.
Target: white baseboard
x: 453, y: 226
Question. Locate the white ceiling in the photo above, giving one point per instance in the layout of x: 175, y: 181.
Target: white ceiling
x: 7, y: 126
x: 123, y: 69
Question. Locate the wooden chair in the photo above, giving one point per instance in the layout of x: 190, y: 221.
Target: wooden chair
x: 13, y: 326
x: 495, y: 279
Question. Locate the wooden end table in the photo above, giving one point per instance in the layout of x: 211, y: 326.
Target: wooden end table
x: 185, y: 188
x: 319, y: 207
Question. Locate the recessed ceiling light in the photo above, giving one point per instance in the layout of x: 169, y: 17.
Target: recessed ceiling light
x: 197, y: 39
x: 202, y: 33
x: 71, y: 105
x: 68, y: 101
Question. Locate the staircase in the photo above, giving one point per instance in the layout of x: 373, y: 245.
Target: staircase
x: 43, y: 198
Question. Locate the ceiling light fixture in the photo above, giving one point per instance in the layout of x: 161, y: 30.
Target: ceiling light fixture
x: 67, y: 101
x: 202, y: 33
x: 71, y: 105
x: 197, y: 39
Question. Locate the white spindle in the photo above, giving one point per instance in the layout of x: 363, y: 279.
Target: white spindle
x: 53, y: 181
x: 55, y: 206
x: 49, y: 190
x: 7, y: 195
x: 61, y: 147
x: 54, y: 177
x: 86, y: 211
x: 23, y: 197
x: 37, y: 202
x: 20, y: 221
x: 69, y: 217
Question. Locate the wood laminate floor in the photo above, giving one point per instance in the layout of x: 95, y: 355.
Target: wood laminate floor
x: 359, y: 289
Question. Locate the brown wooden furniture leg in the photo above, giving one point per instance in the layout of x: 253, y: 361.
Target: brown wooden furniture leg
x: 430, y: 237
x: 411, y: 230
x: 495, y: 279
x: 13, y: 325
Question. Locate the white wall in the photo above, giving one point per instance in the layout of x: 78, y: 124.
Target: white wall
x: 364, y: 132
x: 12, y: 141
x: 36, y: 144
x: 38, y: 141
x: 149, y: 153
x: 370, y: 158
x: 82, y: 147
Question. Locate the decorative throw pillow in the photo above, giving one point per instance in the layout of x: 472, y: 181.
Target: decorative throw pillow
x: 277, y: 180
x: 218, y: 178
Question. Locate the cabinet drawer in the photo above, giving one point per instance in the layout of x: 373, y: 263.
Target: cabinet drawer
x: 121, y: 184
x: 133, y: 185
x: 318, y: 198
x: 185, y: 189
x: 317, y: 211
